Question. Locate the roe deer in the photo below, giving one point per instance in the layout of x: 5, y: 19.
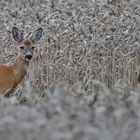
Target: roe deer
x: 12, y: 74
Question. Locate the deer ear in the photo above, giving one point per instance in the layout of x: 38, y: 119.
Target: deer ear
x: 17, y: 35
x: 36, y: 35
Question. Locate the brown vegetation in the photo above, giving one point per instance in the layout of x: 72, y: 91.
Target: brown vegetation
x: 83, y: 80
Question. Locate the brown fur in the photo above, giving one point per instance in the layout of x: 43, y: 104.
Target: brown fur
x: 11, y: 75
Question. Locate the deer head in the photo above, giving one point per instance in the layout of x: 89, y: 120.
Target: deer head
x: 26, y: 44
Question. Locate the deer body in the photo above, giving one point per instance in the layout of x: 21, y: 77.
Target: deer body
x: 12, y: 74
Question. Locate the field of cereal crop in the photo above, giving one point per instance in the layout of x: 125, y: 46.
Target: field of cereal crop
x: 82, y: 83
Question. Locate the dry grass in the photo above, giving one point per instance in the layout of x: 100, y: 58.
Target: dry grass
x: 82, y: 82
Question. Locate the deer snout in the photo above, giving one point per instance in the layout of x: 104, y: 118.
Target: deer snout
x: 28, y: 55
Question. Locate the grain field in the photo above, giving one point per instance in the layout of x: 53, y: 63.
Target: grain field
x: 82, y: 83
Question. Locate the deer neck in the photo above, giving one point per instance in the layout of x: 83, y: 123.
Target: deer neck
x: 19, y: 69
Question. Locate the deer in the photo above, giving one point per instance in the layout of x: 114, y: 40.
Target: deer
x: 11, y: 75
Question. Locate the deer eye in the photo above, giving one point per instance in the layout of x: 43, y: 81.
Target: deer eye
x: 33, y: 48
x: 22, y: 47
